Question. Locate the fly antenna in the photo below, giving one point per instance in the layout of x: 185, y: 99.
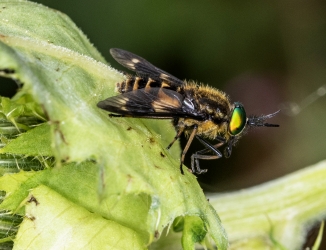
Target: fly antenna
x: 259, y: 121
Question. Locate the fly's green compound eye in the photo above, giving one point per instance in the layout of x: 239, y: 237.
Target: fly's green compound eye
x: 238, y: 120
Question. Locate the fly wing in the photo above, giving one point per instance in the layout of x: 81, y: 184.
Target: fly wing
x: 144, y: 68
x: 158, y: 103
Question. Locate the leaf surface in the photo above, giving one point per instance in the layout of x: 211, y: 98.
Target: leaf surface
x: 115, y: 168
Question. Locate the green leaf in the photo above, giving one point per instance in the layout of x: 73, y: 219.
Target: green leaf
x: 22, y: 113
x: 115, y: 168
x: 193, y: 232
x: 77, y: 227
x: 35, y: 142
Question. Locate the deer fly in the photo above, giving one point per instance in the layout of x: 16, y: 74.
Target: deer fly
x: 197, y: 110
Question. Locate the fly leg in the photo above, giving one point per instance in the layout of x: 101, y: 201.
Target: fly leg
x: 176, y: 137
x: 191, y: 137
x: 201, y: 155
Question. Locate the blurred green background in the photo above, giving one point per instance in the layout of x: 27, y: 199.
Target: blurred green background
x: 262, y: 53
x: 269, y: 55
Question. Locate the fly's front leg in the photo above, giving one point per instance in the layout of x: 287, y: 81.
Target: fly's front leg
x: 195, y: 161
x: 200, y: 155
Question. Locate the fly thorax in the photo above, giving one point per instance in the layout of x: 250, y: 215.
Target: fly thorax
x: 208, y: 129
x: 207, y: 109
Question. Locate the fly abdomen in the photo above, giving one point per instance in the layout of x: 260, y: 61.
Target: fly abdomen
x: 136, y: 82
x: 131, y: 83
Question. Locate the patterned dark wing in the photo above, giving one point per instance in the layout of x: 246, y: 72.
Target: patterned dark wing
x: 158, y: 103
x: 143, y: 68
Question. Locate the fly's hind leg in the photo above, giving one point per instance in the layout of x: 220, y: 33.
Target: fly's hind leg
x: 180, y: 130
x: 201, y: 155
x: 179, y: 133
